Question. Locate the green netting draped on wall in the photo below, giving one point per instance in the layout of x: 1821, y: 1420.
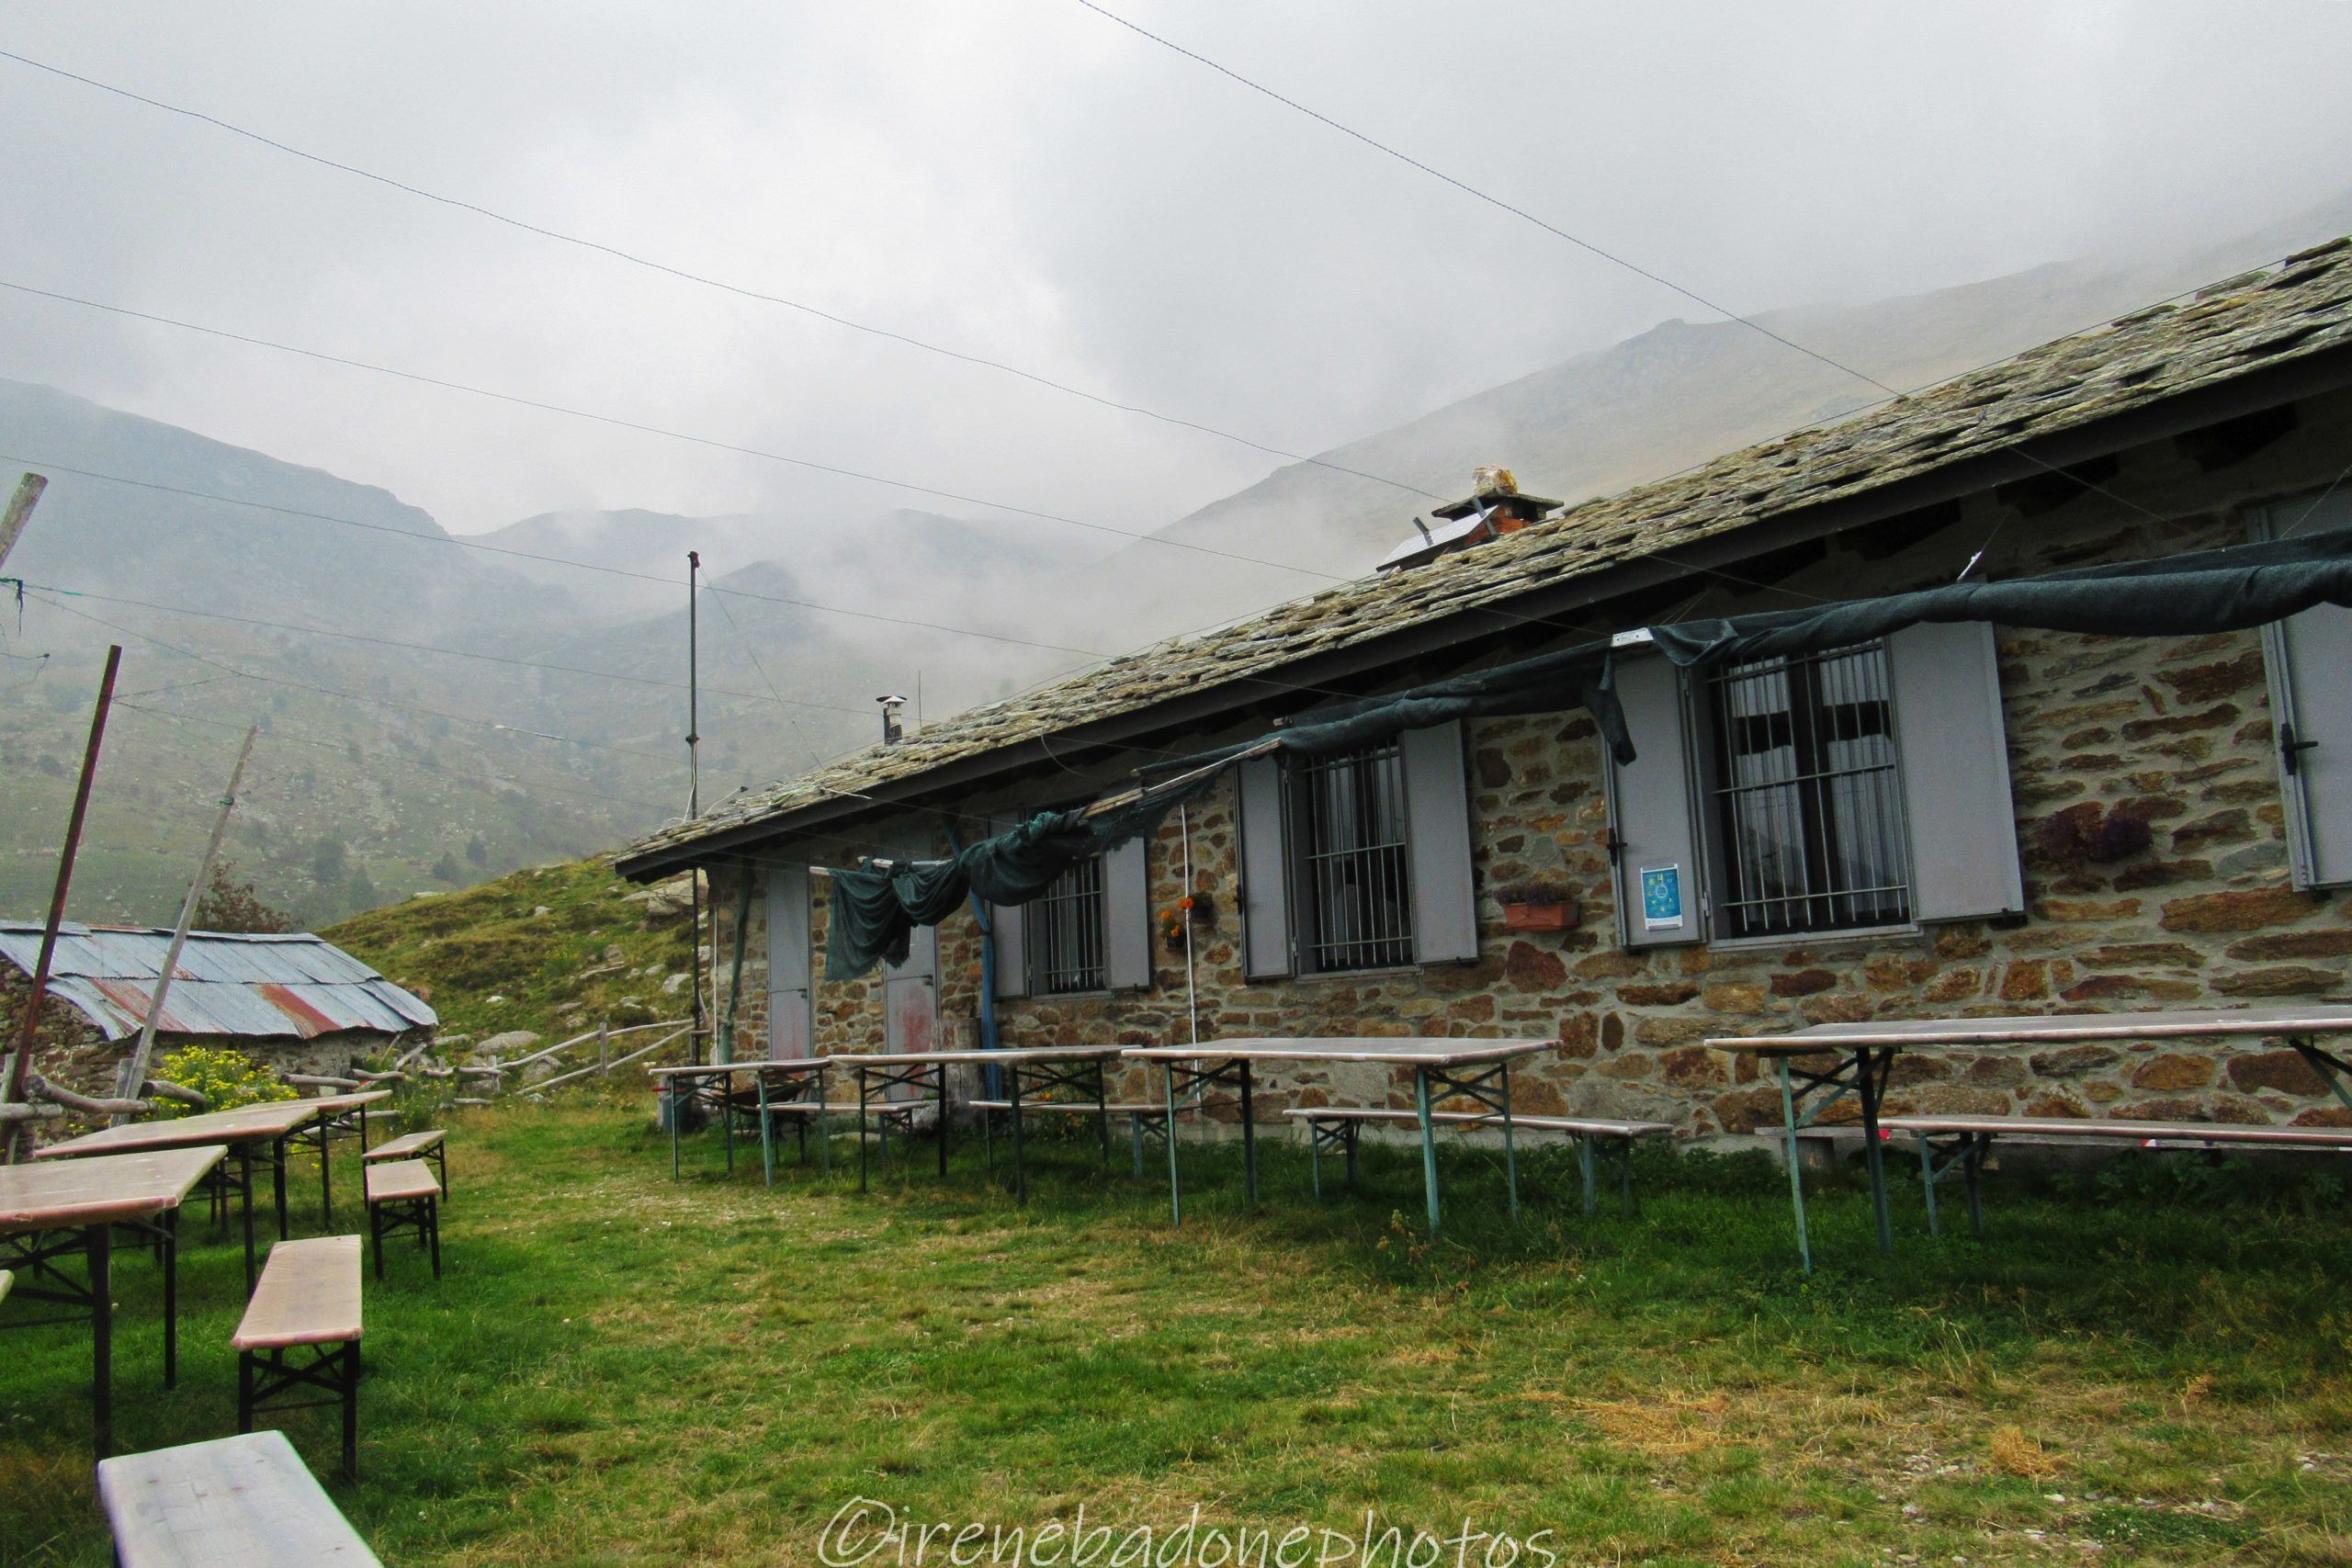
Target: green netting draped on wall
x: 2219, y: 589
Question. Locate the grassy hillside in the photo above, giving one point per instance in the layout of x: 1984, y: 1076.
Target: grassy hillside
x: 555, y: 950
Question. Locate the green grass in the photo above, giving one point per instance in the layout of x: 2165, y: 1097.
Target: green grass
x: 593, y: 953
x: 622, y: 1369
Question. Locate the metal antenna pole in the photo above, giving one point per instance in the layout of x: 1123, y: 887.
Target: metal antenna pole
x: 135, y: 1071
x: 31, y: 1028
x: 694, y: 795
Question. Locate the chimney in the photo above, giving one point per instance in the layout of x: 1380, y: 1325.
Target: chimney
x: 1494, y: 507
x: 891, y: 732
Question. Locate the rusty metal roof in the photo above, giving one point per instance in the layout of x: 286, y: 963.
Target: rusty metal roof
x: 257, y: 986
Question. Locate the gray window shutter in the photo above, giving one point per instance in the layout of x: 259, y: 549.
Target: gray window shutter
x: 1010, y: 924
x: 1651, y: 812
x: 791, y: 1019
x: 1127, y: 916
x: 1955, y: 763
x: 2311, y: 703
x: 1437, y: 836
x: 1266, y: 870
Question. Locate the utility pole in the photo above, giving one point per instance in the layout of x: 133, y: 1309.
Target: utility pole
x: 694, y: 795
x: 19, y: 512
x: 135, y: 1071
x: 29, y: 1030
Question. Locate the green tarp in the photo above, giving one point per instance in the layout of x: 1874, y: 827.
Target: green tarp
x: 2219, y: 589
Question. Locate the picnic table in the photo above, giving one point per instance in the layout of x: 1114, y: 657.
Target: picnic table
x: 1862, y: 1055
x: 1034, y: 1069
x: 1478, y: 1070
x: 50, y: 1211
x: 801, y: 1078
x: 264, y: 1129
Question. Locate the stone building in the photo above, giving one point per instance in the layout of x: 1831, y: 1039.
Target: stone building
x: 292, y: 1001
x: 1952, y: 819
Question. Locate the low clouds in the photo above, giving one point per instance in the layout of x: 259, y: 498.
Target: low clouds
x: 1023, y: 180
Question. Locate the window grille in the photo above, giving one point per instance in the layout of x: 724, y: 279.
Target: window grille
x: 1808, y: 801
x: 1066, y: 936
x: 1356, y: 907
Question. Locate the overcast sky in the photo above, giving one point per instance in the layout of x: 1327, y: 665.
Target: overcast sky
x: 1025, y: 180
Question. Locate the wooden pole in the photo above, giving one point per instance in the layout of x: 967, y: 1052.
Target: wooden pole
x: 31, y: 1028
x: 19, y: 512
x: 135, y: 1072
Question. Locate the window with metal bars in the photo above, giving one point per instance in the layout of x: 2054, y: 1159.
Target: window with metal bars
x: 1355, y: 906
x: 1808, y: 804
x: 1067, y: 943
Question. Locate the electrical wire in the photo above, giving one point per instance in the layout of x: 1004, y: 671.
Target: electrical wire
x: 815, y: 756
x: 463, y: 543
x: 708, y: 282
x: 416, y: 647
x: 330, y: 691
x: 1554, y: 229
x: 687, y: 436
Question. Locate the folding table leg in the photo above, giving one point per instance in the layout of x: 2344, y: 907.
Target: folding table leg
x: 1102, y: 1109
x: 943, y: 1120
x: 350, y: 1358
x: 1429, y: 1144
x: 1927, y: 1181
x: 1626, y: 1179
x: 861, y: 1129
x: 277, y: 1184
x: 171, y: 1224
x: 1020, y: 1155
x: 767, y: 1132
x: 245, y: 1181
x: 1796, y: 1171
x: 1315, y: 1157
x: 326, y: 1178
x: 1175, y: 1192
x: 101, y: 1244
x: 1866, y: 1086
x: 1585, y: 1155
x: 1249, y: 1135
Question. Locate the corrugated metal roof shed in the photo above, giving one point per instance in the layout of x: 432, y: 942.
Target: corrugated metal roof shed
x: 258, y: 985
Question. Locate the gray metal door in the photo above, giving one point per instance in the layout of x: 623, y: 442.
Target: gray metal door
x: 791, y: 1018
x: 2311, y: 701
x: 911, y: 998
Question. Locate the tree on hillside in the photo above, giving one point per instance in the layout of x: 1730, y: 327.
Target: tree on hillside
x: 447, y: 869
x: 360, y: 892
x: 229, y: 905
x: 328, y: 865
x: 477, y: 851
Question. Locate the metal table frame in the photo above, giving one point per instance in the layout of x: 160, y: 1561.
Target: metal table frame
x: 347, y: 1121
x: 1864, y: 1055
x: 1025, y: 1071
x: 254, y: 1134
x: 811, y: 1072
x: 34, y: 1252
x: 1478, y: 1070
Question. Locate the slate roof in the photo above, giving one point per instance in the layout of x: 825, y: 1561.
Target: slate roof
x: 2299, y: 308
x: 259, y: 986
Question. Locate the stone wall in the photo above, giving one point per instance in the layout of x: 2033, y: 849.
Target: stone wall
x: 2172, y: 733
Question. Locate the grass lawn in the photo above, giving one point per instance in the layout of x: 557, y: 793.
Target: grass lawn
x: 622, y: 1369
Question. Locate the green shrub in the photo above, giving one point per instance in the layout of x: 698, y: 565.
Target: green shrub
x: 227, y: 1078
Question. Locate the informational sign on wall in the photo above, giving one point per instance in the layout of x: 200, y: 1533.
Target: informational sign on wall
x: 1661, y: 897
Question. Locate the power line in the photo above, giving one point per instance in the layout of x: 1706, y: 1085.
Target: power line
x: 465, y: 543
x: 814, y: 755
x: 414, y: 647
x: 745, y: 292
x: 172, y: 648
x: 619, y: 423
x: 1579, y: 242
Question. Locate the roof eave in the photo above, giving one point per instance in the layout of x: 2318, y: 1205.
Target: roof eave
x: 2285, y: 381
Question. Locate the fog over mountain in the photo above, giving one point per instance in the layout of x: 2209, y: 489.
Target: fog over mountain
x: 313, y: 603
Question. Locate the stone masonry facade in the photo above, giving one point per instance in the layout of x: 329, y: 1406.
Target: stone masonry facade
x: 2195, y: 910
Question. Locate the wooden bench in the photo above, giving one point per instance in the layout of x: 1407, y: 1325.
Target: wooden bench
x: 431, y: 1143
x: 308, y: 1299
x: 1337, y: 1126
x: 403, y: 1197
x: 1950, y: 1142
x: 245, y: 1501
x: 1142, y: 1120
